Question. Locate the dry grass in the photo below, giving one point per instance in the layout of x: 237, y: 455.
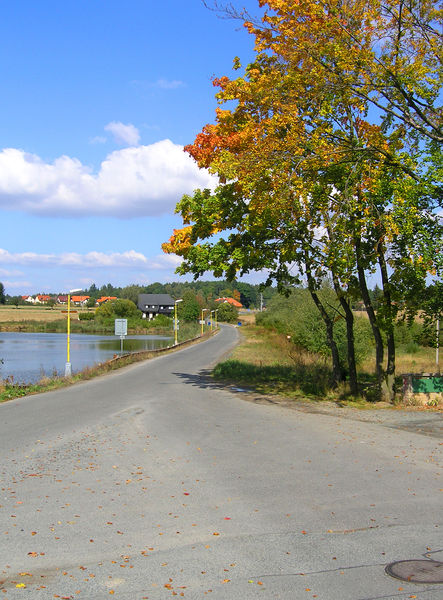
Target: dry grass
x: 247, y: 317
x: 10, y: 314
x: 422, y: 361
x: 270, y: 364
x: 262, y: 347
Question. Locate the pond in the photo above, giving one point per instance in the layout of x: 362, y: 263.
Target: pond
x: 26, y: 357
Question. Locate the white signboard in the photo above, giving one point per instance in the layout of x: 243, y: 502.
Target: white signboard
x: 121, y: 327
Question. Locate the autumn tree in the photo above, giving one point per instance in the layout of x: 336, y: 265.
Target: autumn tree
x: 310, y: 185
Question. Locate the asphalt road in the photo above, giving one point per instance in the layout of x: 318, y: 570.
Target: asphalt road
x: 151, y: 483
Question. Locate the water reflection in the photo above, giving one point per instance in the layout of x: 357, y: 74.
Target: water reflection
x: 28, y: 356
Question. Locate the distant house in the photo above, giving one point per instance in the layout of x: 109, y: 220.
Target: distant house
x: 152, y: 305
x: 29, y: 299
x: 42, y: 299
x: 79, y: 300
x: 229, y: 301
x: 104, y: 299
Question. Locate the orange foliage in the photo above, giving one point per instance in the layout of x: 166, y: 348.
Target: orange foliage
x: 179, y: 241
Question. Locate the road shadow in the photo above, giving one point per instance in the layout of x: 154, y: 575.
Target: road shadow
x: 425, y: 423
x: 204, y: 380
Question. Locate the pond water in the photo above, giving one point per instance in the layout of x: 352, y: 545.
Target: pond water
x: 28, y: 356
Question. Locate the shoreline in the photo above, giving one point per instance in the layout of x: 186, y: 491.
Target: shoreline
x: 11, y: 391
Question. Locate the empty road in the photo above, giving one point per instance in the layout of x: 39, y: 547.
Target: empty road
x: 151, y: 482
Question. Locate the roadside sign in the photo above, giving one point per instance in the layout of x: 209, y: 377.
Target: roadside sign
x: 121, y: 327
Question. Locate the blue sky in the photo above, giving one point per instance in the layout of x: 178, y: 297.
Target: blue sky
x: 98, y: 98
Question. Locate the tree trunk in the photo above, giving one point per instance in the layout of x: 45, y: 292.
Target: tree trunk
x: 389, y: 383
x: 379, y: 349
x: 337, y: 371
x: 349, y: 316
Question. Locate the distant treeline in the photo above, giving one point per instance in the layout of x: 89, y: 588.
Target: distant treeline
x: 251, y: 296
x: 247, y: 294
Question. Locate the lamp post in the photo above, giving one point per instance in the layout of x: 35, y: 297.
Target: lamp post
x: 216, y: 311
x: 68, y: 370
x: 175, y: 320
x: 212, y: 319
x: 203, y: 319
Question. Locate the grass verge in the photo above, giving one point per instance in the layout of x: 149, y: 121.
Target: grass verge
x: 267, y: 363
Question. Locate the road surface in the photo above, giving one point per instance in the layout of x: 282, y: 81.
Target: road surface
x: 151, y: 482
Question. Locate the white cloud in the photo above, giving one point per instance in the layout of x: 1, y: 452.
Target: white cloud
x: 165, y: 261
x: 131, y: 183
x: 16, y: 284
x: 91, y: 260
x: 24, y: 258
x: 167, y: 84
x: 124, y: 134
x: 98, y: 139
x: 8, y: 273
x: 162, y: 83
x: 129, y: 258
x: 100, y: 259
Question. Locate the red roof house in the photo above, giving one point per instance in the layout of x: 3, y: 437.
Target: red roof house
x: 230, y: 301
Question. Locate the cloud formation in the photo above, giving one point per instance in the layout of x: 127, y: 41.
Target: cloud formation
x: 127, y: 259
x: 167, y: 84
x: 124, y: 134
x: 162, y: 84
x: 133, y: 182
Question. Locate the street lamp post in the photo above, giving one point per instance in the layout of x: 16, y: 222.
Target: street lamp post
x: 202, y: 319
x: 175, y: 321
x: 68, y: 370
x: 212, y: 319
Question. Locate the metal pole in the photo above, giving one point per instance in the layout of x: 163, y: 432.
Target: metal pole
x: 68, y: 370
x: 68, y: 356
x: 438, y: 343
x: 175, y: 320
x: 175, y: 324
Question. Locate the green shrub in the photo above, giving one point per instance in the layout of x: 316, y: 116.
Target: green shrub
x: 189, y: 309
x: 162, y: 321
x: 298, y: 317
x: 227, y: 313
x: 117, y: 309
x: 86, y: 316
x: 411, y: 348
